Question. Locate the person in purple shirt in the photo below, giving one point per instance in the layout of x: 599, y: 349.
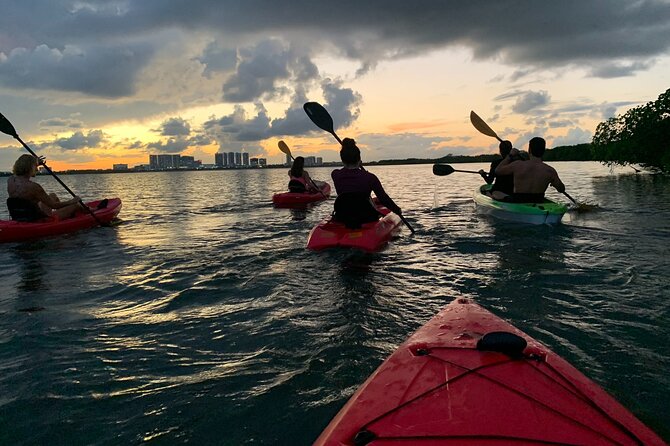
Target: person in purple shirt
x: 354, y: 184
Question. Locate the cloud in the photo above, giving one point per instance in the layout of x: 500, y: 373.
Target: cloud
x: 97, y: 70
x: 612, y: 70
x: 61, y: 122
x: 79, y: 140
x: 262, y: 70
x: 172, y: 145
x: 574, y: 136
x: 175, y: 127
x: 376, y: 146
x: 530, y: 100
x: 218, y: 58
x: 98, y: 48
x: 240, y: 127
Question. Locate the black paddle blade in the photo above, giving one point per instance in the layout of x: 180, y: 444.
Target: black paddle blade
x: 6, y: 126
x: 442, y: 169
x: 319, y: 116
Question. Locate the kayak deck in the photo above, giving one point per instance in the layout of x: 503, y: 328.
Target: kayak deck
x: 438, y: 388
x: 548, y: 212
x: 371, y: 237
x: 293, y: 199
x: 15, y: 231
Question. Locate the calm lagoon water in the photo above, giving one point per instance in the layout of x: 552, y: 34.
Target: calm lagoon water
x: 203, y: 319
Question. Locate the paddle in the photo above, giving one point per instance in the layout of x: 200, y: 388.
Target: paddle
x: 8, y: 128
x: 320, y: 116
x: 284, y: 148
x: 445, y: 169
x: 484, y: 128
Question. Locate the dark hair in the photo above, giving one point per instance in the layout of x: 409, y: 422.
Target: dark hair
x: 297, y: 167
x: 350, y: 153
x: 505, y: 147
x: 536, y: 146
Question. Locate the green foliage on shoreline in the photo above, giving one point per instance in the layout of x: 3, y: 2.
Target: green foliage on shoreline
x: 639, y: 136
x: 579, y: 152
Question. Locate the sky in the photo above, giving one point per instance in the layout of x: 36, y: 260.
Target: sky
x: 92, y: 83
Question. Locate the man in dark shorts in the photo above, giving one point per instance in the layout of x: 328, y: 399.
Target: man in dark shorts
x: 532, y: 177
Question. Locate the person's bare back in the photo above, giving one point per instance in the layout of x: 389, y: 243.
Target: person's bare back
x: 531, y: 177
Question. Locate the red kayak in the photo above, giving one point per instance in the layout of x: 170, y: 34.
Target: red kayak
x: 292, y: 199
x: 371, y: 237
x: 469, y: 378
x: 16, y: 231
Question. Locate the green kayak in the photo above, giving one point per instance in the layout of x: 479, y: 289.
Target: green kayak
x: 548, y: 212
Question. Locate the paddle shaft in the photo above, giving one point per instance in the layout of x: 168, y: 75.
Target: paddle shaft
x: 58, y: 179
x: 571, y: 199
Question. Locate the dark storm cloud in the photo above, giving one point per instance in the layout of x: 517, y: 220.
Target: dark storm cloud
x: 175, y: 127
x: 607, y: 37
x: 79, y: 140
x: 96, y: 70
x: 262, y: 67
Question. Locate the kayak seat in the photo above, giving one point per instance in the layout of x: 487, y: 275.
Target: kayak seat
x: 296, y: 187
x: 503, y: 342
x: 354, y: 210
x: 103, y: 204
x: 24, y: 210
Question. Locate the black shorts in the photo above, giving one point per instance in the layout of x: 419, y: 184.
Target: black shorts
x: 525, y: 198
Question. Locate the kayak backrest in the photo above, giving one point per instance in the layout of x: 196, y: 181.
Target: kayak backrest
x: 504, y: 342
x: 296, y: 186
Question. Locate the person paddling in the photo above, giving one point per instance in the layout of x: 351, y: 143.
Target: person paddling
x: 300, y: 181
x: 28, y: 201
x: 502, y: 184
x: 353, y: 205
x: 532, y: 177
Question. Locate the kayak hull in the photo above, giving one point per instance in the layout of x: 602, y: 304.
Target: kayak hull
x: 548, y: 212
x: 371, y: 237
x: 438, y: 388
x: 16, y: 231
x: 293, y: 199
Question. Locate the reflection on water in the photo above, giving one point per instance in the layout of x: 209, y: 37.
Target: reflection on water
x: 203, y: 315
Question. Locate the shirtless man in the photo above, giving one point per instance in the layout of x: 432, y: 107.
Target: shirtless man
x: 28, y: 201
x: 532, y: 177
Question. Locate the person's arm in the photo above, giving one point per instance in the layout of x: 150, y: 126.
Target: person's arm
x: 556, y: 181
x: 505, y: 167
x: 382, y: 195
x: 310, y: 184
x: 41, y: 196
x: 491, y: 175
